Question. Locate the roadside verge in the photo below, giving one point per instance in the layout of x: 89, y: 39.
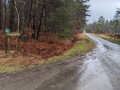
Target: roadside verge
x: 8, y: 63
x: 113, y: 40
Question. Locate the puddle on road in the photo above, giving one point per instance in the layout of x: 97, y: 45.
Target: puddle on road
x: 94, y: 78
x: 88, y: 76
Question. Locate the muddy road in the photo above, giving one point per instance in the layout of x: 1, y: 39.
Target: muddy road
x: 96, y: 70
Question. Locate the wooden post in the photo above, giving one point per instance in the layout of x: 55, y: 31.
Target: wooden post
x: 7, y: 43
x: 16, y: 42
x: 8, y: 39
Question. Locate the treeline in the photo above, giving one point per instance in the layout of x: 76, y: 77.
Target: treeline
x: 105, y: 26
x: 59, y: 16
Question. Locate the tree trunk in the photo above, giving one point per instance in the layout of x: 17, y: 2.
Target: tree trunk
x: 34, y: 14
x: 5, y: 14
x: 39, y: 28
x: 0, y: 14
x: 28, y: 12
x: 18, y: 16
x: 34, y: 19
x: 12, y: 15
x: 45, y: 17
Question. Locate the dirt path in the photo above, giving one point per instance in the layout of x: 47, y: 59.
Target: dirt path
x: 97, y: 70
x: 32, y: 79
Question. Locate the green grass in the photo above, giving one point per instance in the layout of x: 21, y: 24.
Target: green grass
x: 84, y: 45
x: 110, y: 39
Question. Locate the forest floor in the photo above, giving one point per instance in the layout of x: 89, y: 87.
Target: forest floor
x: 37, y: 53
x: 108, y: 37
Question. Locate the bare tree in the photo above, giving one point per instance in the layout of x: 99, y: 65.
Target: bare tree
x: 18, y: 15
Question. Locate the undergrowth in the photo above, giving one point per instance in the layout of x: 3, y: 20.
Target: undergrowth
x: 85, y: 44
x: 14, y: 63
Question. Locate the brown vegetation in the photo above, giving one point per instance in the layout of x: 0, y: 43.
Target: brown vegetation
x: 48, y: 46
x: 111, y: 36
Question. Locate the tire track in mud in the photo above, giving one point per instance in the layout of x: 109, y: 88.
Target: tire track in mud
x: 32, y: 79
x: 110, y: 62
x: 112, y: 70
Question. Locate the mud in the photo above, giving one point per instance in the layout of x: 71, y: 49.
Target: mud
x: 96, y: 70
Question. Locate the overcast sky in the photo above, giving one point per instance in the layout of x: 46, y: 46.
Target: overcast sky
x: 105, y: 8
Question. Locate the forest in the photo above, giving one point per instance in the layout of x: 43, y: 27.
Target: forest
x: 104, y: 26
x: 63, y: 17
x: 59, y: 44
x: 36, y: 30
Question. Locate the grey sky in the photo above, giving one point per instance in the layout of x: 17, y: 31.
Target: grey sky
x: 105, y: 8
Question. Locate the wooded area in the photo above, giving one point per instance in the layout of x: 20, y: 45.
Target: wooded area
x: 105, y: 26
x: 47, y: 27
x: 63, y: 17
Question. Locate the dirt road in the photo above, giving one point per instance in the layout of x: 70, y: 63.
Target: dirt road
x: 97, y: 70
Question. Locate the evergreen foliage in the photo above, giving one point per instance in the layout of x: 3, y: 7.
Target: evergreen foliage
x: 59, y: 16
x: 105, y: 26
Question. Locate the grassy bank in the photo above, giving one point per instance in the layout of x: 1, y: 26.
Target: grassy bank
x: 85, y: 44
x: 11, y: 64
x: 111, y: 40
x: 108, y: 39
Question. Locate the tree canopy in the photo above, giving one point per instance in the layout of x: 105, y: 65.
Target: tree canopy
x: 59, y: 16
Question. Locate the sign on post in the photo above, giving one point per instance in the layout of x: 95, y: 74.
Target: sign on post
x: 8, y: 35
x: 7, y: 30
